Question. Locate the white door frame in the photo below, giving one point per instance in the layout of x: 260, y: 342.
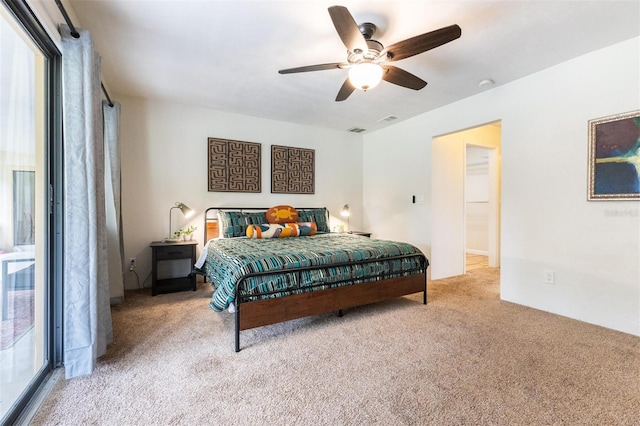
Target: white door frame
x: 447, y: 190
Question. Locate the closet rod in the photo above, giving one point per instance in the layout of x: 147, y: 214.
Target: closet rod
x: 76, y: 34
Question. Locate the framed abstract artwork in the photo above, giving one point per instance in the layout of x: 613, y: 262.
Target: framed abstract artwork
x: 292, y: 170
x: 234, y: 166
x: 614, y: 157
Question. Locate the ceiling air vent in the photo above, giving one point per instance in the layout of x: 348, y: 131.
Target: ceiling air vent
x: 388, y: 118
x: 356, y: 130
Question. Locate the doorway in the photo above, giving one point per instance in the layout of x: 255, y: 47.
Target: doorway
x: 478, y: 204
x: 465, y: 204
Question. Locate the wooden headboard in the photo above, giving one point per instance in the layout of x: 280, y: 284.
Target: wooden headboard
x: 211, y: 230
x: 211, y: 227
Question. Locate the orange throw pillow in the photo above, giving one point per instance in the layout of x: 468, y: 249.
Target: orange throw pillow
x: 282, y: 214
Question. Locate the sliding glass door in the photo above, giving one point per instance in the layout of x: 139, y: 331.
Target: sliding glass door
x: 25, y: 214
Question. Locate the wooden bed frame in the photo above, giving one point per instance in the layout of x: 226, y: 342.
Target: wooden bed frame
x: 258, y: 313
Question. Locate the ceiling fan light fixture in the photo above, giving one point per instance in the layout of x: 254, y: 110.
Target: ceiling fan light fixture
x: 365, y: 76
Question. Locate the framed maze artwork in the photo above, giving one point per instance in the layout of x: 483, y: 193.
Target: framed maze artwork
x: 292, y: 170
x: 234, y: 166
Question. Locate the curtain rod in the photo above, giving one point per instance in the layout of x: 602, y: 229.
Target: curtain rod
x: 106, y: 94
x: 76, y: 34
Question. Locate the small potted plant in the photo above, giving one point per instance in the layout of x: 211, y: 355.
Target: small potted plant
x: 187, y: 234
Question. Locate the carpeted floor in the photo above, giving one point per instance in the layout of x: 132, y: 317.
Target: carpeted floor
x: 466, y: 358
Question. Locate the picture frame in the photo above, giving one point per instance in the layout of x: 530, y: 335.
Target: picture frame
x: 614, y: 157
x: 292, y: 170
x: 234, y: 166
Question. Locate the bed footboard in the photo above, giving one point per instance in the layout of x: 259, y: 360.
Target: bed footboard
x: 257, y: 313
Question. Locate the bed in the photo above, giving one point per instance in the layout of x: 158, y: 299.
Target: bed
x: 270, y: 280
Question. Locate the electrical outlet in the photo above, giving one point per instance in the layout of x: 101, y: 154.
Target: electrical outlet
x: 132, y: 263
x: 548, y: 277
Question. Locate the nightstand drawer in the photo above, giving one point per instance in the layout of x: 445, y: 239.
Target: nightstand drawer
x: 171, y: 252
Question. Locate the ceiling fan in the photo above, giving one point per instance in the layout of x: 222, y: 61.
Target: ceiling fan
x: 367, y: 58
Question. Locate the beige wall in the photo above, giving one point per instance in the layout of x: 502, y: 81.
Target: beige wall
x: 547, y: 222
x: 164, y: 160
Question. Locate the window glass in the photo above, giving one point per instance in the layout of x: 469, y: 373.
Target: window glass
x: 22, y: 212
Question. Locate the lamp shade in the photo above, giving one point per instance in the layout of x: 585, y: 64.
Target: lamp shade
x: 365, y: 76
x: 186, y: 211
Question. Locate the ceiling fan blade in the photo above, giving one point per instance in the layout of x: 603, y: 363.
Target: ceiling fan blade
x: 402, y: 78
x: 421, y: 43
x: 346, y: 90
x: 347, y: 29
x: 319, y: 67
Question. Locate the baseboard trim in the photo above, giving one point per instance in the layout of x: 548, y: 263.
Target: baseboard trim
x: 480, y: 252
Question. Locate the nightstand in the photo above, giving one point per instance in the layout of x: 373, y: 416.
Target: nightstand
x: 171, y: 266
x: 361, y: 233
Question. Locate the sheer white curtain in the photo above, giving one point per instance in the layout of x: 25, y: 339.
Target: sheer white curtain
x: 87, y: 314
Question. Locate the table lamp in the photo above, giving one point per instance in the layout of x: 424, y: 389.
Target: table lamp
x: 186, y: 211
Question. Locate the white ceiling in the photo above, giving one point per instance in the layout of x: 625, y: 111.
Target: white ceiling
x: 225, y: 55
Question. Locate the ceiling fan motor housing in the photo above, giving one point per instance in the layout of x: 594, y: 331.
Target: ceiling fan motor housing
x: 372, y: 54
x: 367, y: 29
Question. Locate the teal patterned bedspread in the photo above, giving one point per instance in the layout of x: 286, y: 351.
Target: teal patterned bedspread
x: 228, y: 260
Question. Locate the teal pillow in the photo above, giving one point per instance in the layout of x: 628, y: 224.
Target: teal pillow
x: 319, y: 216
x: 234, y: 224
